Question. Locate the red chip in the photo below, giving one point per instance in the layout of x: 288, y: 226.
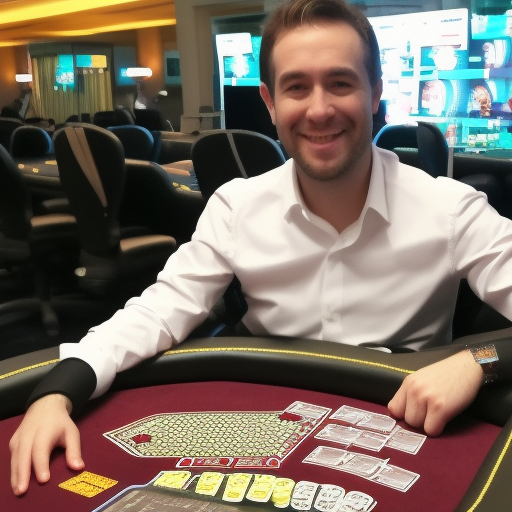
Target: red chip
x: 141, y: 438
x: 290, y: 416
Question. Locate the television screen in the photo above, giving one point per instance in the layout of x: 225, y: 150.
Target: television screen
x: 91, y: 61
x: 238, y: 55
x: 65, y: 72
x: 416, y: 50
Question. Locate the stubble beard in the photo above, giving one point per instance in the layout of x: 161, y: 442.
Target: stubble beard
x: 331, y: 171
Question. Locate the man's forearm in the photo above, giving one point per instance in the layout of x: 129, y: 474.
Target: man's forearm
x: 72, y: 378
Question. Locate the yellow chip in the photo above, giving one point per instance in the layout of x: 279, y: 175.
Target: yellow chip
x: 172, y: 479
x: 282, y: 493
x: 209, y: 483
x: 261, y: 488
x: 236, y: 487
x: 88, y: 484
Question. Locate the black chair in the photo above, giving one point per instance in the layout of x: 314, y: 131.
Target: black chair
x: 114, y: 262
x: 219, y: 156
x: 105, y: 118
x: 431, y: 153
x: 427, y: 138
x: 32, y: 145
x: 30, y: 142
x: 154, y: 200
x: 7, y: 126
x: 151, y: 119
x: 137, y: 141
x: 33, y: 249
x: 85, y: 117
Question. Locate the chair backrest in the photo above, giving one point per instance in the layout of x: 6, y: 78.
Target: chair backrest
x: 124, y: 116
x: 137, y: 141
x: 427, y: 138
x: 151, y: 119
x: 92, y: 172
x: 105, y: 118
x: 15, y: 210
x: 85, y: 117
x: 30, y: 142
x: 153, y: 201
x: 7, y: 126
x: 219, y: 156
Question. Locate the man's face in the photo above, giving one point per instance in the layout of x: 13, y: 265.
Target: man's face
x: 323, y: 101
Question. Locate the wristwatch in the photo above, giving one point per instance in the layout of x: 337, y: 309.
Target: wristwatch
x: 487, y: 358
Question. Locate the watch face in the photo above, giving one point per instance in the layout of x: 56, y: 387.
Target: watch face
x: 487, y: 358
x: 485, y: 354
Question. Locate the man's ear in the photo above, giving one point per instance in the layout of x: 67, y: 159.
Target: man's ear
x: 376, y: 95
x: 269, y: 102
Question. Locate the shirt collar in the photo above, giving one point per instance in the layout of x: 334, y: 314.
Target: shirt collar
x: 377, y: 191
x: 291, y: 197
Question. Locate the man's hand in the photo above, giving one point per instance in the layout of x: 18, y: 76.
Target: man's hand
x: 46, y: 425
x: 429, y: 398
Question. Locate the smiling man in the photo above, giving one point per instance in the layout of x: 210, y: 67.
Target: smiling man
x: 342, y: 243
x: 322, y: 102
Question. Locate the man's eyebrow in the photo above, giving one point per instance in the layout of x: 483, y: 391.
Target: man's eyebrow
x: 289, y: 76
x: 341, y: 72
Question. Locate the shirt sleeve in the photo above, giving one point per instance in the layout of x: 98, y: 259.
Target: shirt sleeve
x: 192, y: 281
x: 482, y: 251
x: 72, y: 377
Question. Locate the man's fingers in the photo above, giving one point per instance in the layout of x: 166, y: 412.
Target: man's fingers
x: 397, y: 404
x: 41, y: 451
x: 435, y: 422
x: 73, y: 450
x: 21, y: 466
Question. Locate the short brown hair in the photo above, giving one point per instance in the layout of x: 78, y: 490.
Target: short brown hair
x: 295, y: 13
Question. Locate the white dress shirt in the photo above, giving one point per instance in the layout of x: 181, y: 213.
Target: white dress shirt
x: 391, y: 278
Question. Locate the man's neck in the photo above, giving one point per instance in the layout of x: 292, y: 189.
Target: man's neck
x: 340, y: 201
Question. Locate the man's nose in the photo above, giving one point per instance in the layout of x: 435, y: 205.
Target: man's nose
x: 320, y: 105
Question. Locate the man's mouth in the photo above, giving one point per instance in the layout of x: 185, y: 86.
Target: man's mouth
x: 322, y: 139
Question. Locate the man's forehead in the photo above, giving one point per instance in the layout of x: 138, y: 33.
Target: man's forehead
x: 299, y: 44
x: 337, y: 29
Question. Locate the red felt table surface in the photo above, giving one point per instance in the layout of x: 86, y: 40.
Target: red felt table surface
x: 446, y: 464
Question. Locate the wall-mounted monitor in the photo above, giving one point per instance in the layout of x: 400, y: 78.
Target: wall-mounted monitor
x: 172, y: 67
x: 65, y: 72
x: 444, y: 64
x: 239, y: 56
x: 421, y: 54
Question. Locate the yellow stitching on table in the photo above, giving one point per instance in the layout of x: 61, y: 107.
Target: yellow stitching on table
x: 291, y: 352
x: 228, y: 349
x: 492, y: 475
x: 28, y: 368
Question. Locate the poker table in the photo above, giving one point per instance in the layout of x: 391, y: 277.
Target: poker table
x: 41, y: 176
x: 468, y: 468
